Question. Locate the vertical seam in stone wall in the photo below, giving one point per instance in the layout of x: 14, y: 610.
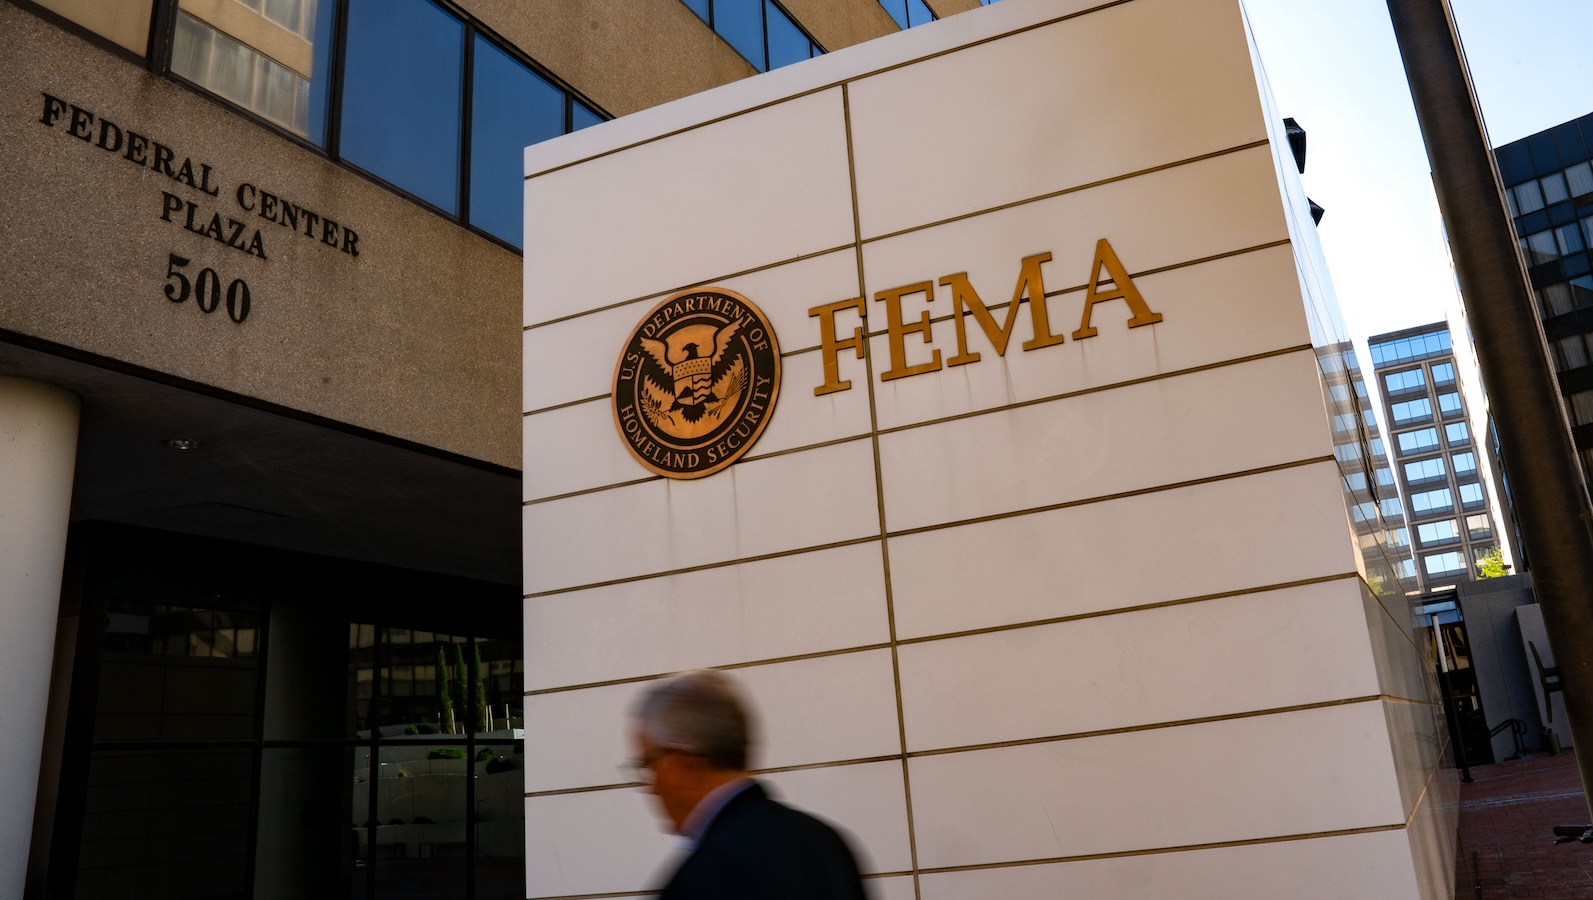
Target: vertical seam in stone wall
x: 879, y: 487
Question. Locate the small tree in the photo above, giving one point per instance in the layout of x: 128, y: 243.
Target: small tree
x: 457, y: 662
x: 478, y: 689
x: 445, y: 700
x: 1492, y: 565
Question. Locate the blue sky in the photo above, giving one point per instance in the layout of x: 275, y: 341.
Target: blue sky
x: 1335, y: 67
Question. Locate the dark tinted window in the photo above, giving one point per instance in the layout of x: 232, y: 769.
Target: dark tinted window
x: 512, y: 108
x: 403, y: 87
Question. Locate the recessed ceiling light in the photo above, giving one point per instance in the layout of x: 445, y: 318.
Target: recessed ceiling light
x: 181, y: 444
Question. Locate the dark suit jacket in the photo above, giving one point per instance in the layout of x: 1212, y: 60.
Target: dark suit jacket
x: 759, y: 849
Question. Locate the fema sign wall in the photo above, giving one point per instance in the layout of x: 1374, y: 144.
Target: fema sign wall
x: 963, y: 392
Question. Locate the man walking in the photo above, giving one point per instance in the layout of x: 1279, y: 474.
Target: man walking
x: 691, y: 738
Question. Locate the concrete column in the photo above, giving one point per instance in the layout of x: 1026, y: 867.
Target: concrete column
x: 38, y: 448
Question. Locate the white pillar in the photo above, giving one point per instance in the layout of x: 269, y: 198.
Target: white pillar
x: 38, y: 448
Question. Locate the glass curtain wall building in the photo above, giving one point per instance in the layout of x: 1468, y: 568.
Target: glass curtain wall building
x: 1437, y: 460
x: 1548, y: 181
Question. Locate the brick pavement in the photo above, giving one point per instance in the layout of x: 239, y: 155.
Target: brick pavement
x: 1506, y: 849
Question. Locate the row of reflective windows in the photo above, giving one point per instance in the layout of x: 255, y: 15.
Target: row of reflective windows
x: 1565, y: 296
x: 1580, y: 406
x: 1434, y: 467
x: 763, y: 33
x: 1416, y: 379
x: 1442, y: 500
x: 1420, y: 346
x: 1531, y: 196
x: 1447, y: 531
x: 1570, y: 352
x: 420, y: 98
x: 1552, y: 243
x: 1453, y: 562
x: 1423, y: 439
x: 1421, y: 409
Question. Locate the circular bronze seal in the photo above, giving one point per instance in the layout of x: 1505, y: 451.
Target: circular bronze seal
x: 696, y: 382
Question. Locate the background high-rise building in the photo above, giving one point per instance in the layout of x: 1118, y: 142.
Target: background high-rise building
x: 1439, y: 461
x: 1548, y: 178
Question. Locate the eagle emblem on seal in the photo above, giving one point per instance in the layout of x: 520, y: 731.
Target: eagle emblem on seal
x: 696, y: 382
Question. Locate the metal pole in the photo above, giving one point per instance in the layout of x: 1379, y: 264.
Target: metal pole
x: 1545, y: 479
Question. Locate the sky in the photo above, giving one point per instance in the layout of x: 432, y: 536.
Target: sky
x: 1335, y: 68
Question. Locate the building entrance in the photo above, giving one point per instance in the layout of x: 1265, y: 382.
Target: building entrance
x: 245, y: 722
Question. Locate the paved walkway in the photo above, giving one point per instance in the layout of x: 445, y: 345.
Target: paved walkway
x: 1507, y: 850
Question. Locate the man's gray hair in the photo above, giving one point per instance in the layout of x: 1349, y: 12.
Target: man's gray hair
x: 701, y: 712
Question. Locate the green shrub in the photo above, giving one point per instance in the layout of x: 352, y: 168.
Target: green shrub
x: 446, y: 753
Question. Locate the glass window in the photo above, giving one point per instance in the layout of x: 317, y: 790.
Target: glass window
x: 1355, y: 481
x: 1444, y: 563
x: 1541, y: 247
x: 1420, y: 346
x: 1457, y: 433
x: 1412, y: 411
x: 1444, y: 373
x: 1471, y: 494
x: 1347, y: 452
x: 1555, y: 300
x: 1385, y: 476
x: 1431, y: 501
x: 1417, y: 441
x: 1478, y: 526
x: 1406, y: 568
x: 1529, y: 198
x: 1580, y: 177
x: 1408, y: 380
x: 740, y: 23
x: 1554, y: 190
x: 1446, y: 531
x: 700, y: 7
x: 1398, y: 537
x: 1339, y: 393
x: 787, y: 42
x: 403, y: 86
x: 581, y: 116
x: 908, y: 13
x: 1569, y: 353
x: 282, y: 77
x: 1390, y: 508
x: 1569, y: 239
x: 1344, y: 422
x: 1448, y: 403
x: 1587, y: 230
x: 1425, y: 470
x: 1363, y: 512
x: 1464, y: 463
x: 512, y: 107
x: 1377, y: 447
x: 1581, y: 404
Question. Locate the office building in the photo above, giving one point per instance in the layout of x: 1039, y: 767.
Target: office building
x: 260, y: 282
x: 1440, y: 455
x: 1548, y: 180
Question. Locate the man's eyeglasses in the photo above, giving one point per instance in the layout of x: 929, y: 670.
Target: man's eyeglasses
x: 641, y: 770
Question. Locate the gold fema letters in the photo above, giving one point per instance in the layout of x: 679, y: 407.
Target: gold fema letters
x: 965, y: 301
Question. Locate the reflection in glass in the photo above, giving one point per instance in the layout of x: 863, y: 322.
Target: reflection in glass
x: 417, y: 836
x: 787, y: 43
x: 306, y: 844
x: 740, y: 23
x: 268, y: 56
x: 165, y: 823
x: 403, y: 86
x: 500, y: 823
x: 177, y: 673
x: 512, y: 108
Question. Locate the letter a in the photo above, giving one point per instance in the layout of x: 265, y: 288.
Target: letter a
x: 1123, y: 289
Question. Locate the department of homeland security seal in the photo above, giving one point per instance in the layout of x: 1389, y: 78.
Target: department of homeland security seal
x: 696, y: 382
